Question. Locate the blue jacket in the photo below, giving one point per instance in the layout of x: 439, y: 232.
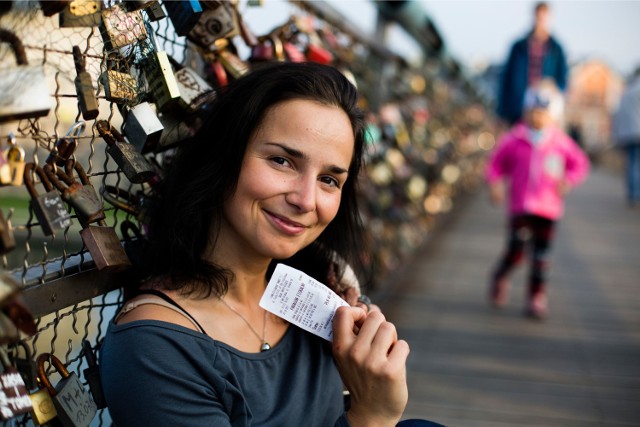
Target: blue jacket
x: 513, y: 81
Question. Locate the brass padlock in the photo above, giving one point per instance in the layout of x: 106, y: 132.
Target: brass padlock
x: 119, y: 86
x: 80, y: 195
x: 183, y: 14
x: 15, y: 398
x: 81, y: 13
x: 129, y: 160
x: 121, y: 28
x: 105, y: 248
x: 161, y: 80
x: 24, y: 88
x: 142, y: 127
x: 15, y: 158
x: 49, y: 207
x: 43, y: 409
x: 85, y: 91
x: 217, y: 21
x: 7, y: 239
x: 233, y: 64
x: 72, y: 401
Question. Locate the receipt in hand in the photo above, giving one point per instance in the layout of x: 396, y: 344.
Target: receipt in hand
x: 302, y: 301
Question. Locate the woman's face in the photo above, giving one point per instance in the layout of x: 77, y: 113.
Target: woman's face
x: 291, y: 180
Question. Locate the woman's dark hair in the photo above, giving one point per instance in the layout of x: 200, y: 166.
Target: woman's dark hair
x: 186, y: 212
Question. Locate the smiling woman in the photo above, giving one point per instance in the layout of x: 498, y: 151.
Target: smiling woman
x: 271, y: 177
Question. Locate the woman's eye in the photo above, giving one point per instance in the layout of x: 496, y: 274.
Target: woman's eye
x: 331, y: 181
x: 280, y: 160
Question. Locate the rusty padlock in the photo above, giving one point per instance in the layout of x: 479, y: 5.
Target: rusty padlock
x: 66, y: 146
x: 49, y: 207
x: 80, y: 195
x: 134, y: 165
x: 105, y: 247
x: 72, y: 401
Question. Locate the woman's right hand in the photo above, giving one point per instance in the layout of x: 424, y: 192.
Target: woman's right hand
x: 372, y: 363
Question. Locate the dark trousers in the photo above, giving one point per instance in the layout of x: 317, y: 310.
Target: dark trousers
x: 538, y: 232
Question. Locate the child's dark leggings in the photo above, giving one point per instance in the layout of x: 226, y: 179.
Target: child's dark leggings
x: 539, y: 232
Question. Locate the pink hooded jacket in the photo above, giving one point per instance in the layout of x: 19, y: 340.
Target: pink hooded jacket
x: 535, y: 172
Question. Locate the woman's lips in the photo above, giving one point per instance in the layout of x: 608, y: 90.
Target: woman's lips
x: 286, y: 225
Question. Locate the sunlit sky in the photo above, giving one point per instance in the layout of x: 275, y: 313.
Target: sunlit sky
x: 480, y: 31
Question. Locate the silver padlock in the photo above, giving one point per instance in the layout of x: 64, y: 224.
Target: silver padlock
x: 143, y: 128
x: 24, y: 89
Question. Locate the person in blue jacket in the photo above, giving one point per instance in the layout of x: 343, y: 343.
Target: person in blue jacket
x: 532, y: 58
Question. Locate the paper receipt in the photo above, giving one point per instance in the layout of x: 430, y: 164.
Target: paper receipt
x: 301, y: 300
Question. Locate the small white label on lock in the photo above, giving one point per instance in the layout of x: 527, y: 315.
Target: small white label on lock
x: 301, y: 300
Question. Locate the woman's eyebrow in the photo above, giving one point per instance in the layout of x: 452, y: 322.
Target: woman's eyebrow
x: 300, y: 155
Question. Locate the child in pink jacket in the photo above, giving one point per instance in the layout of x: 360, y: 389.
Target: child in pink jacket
x: 540, y: 164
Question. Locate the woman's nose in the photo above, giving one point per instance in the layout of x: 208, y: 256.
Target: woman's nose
x: 302, y: 193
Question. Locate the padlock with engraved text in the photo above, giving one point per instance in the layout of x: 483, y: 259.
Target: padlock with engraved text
x: 129, y: 160
x: 13, y: 392
x: 24, y: 88
x: 121, y: 28
x: 80, y: 195
x: 92, y: 376
x: 142, y: 127
x: 7, y: 239
x: 48, y: 208
x: 161, y: 80
x: 72, y: 401
x: 195, y: 92
x: 105, y: 247
x: 81, y: 13
x: 85, y: 91
x: 184, y: 14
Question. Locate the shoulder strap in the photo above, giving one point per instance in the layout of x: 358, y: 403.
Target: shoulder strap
x: 166, y: 298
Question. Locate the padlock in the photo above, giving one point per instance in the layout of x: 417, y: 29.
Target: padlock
x: 178, y: 128
x: 80, y: 195
x: 119, y: 86
x: 143, y: 128
x: 24, y: 88
x: 235, y: 66
x: 121, y: 28
x: 92, y: 376
x: 84, y: 87
x: 216, y: 22
x: 218, y: 73
x: 132, y: 204
x: 105, y: 248
x: 14, y: 396
x: 7, y: 239
x: 43, y: 410
x: 139, y: 4
x: 161, y: 80
x: 129, y: 160
x: 51, y: 7
x: 155, y: 12
x: 81, y: 13
x: 9, y: 288
x: 72, y: 401
x: 268, y: 48
x: 66, y: 146
x: 26, y: 366
x: 293, y: 52
x: 184, y: 14
x: 15, y: 159
x: 49, y: 207
x: 317, y: 53
x: 195, y: 92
